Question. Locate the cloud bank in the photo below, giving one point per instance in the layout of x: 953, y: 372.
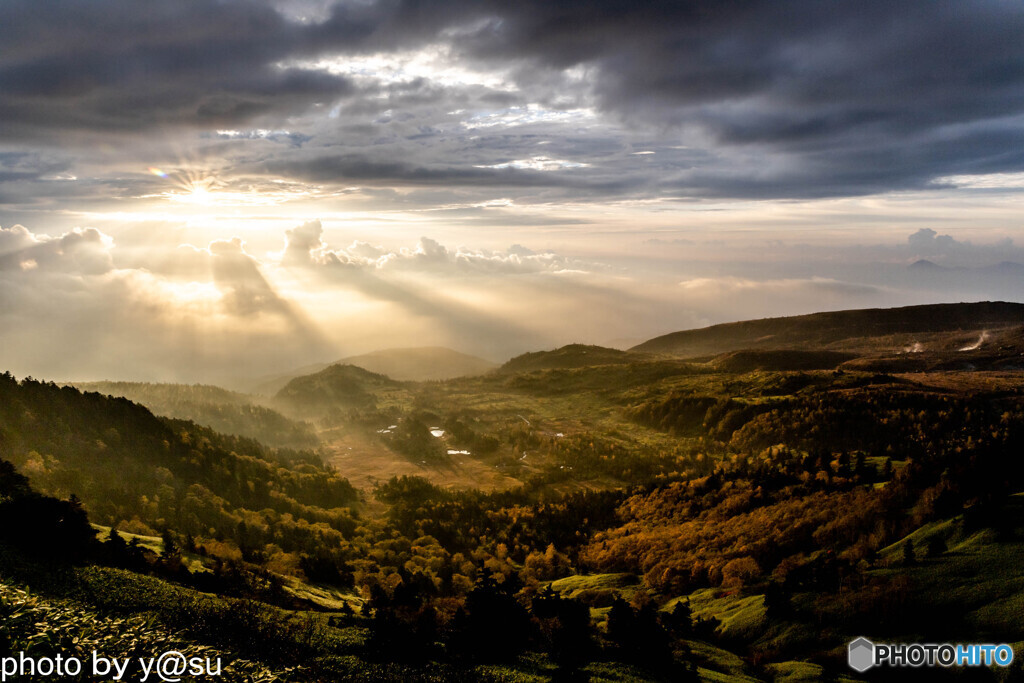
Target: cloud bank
x: 666, y: 164
x: 762, y: 99
x: 78, y: 306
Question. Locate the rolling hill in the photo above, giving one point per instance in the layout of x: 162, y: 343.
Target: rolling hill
x: 421, y: 364
x: 652, y: 518
x: 875, y: 329
x: 224, y: 411
x: 416, y: 364
x: 125, y: 463
x: 334, y: 387
x: 571, y: 356
x: 779, y: 360
x: 268, y: 385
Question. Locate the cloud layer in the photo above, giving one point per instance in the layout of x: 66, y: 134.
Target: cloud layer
x: 666, y: 164
x: 78, y: 306
x: 759, y: 99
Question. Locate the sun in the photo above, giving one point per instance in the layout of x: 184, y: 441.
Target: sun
x: 189, y: 187
x: 200, y: 194
x: 197, y: 192
x: 206, y: 190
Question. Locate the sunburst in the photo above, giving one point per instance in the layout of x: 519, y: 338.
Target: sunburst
x: 195, y: 188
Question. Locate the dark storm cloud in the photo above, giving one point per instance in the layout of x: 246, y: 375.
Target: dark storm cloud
x: 20, y: 166
x: 117, y: 66
x: 357, y: 168
x: 844, y: 97
x: 807, y: 68
x: 783, y: 98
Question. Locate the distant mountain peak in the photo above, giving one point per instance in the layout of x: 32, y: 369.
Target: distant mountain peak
x: 421, y: 363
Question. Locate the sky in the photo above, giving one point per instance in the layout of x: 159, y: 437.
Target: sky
x: 206, y: 191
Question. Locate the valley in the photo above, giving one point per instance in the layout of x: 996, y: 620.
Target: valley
x: 710, y: 506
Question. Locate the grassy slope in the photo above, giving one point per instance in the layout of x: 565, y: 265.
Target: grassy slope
x: 108, y: 608
x: 819, y: 330
x: 154, y: 544
x: 47, y: 626
x: 978, y: 584
x: 980, y: 576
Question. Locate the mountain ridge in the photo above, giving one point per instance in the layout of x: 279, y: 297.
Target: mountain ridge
x: 403, y: 364
x: 569, y: 356
x: 828, y: 329
x: 420, y: 363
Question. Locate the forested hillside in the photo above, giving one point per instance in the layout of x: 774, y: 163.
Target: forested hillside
x: 224, y: 411
x: 147, y: 475
x: 640, y: 518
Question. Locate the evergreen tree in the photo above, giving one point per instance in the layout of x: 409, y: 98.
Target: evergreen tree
x: 909, y: 558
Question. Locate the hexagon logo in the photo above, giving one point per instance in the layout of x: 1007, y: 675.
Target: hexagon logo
x: 861, y: 655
